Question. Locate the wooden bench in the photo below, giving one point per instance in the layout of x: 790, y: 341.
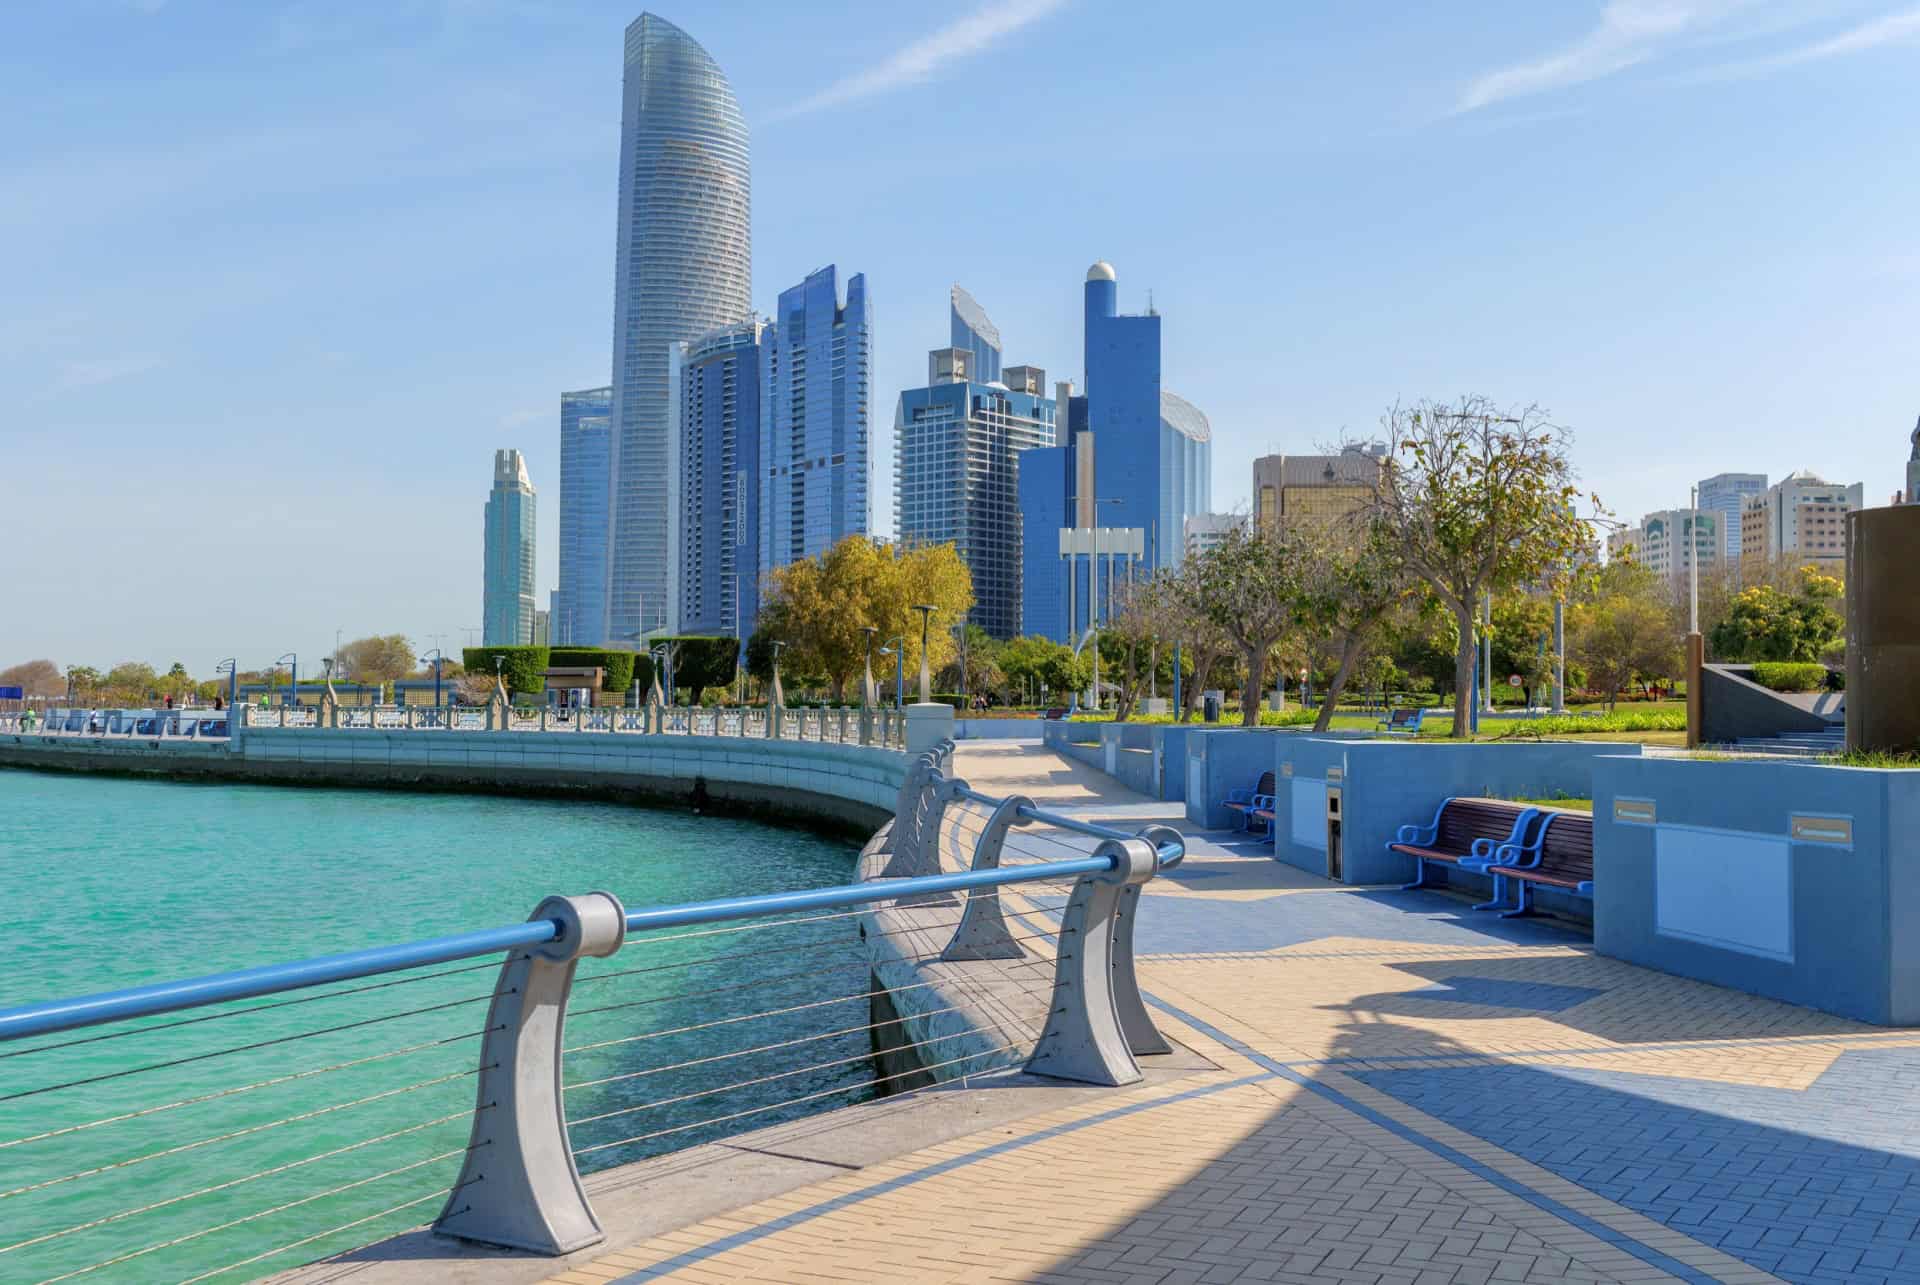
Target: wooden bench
x: 1057, y: 712
x: 1402, y: 722
x: 1469, y: 833
x: 1560, y: 855
x: 1253, y: 805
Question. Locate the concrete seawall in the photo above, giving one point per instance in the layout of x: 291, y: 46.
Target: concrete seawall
x: 849, y: 786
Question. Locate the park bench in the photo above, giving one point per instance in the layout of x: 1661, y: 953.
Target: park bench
x: 1469, y: 833
x: 1560, y: 856
x: 1058, y: 711
x: 1402, y: 722
x: 1254, y: 804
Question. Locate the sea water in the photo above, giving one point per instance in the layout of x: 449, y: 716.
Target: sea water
x: 245, y: 1139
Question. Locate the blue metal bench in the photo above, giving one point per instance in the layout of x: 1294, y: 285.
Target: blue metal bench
x: 1250, y: 804
x: 1559, y: 856
x: 1402, y: 722
x: 1468, y: 833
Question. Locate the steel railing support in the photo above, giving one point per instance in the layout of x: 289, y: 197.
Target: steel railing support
x: 519, y: 1187
x: 983, y: 933
x: 1084, y: 1039
x: 1142, y: 1035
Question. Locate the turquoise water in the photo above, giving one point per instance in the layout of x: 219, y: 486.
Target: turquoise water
x: 110, y: 883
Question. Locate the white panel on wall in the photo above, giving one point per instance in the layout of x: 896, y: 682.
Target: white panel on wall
x: 1726, y: 888
x: 1310, y: 813
x: 1197, y: 781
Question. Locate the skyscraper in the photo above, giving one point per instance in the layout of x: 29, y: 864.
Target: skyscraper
x: 957, y: 445
x: 1133, y: 461
x: 972, y: 331
x: 1726, y: 494
x: 716, y: 480
x: 817, y: 374
x: 682, y: 267
x: 580, y: 603
x: 507, y: 601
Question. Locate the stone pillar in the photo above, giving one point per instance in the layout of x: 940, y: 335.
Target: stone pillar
x: 1883, y: 629
x: 928, y: 724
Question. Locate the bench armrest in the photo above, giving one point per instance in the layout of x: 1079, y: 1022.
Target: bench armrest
x: 1417, y: 835
x: 1238, y: 796
x: 1262, y: 800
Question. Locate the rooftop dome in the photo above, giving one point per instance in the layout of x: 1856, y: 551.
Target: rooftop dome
x: 1101, y: 271
x: 1178, y: 413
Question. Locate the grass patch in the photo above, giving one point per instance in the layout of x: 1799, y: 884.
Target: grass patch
x: 1637, y: 720
x: 1566, y: 801
x: 1872, y: 758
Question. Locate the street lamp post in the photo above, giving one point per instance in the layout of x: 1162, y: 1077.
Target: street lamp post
x: 438, y: 660
x: 230, y: 667
x: 293, y: 659
x: 898, y: 650
x: 926, y: 681
x: 867, y: 694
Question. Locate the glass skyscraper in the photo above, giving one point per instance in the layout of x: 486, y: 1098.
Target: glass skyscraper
x: 957, y: 445
x: 580, y: 603
x: 816, y: 380
x: 682, y: 267
x: 716, y: 480
x: 1726, y: 494
x: 507, y: 602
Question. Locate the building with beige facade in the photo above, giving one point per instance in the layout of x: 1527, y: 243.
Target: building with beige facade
x: 1802, y: 518
x: 1290, y: 490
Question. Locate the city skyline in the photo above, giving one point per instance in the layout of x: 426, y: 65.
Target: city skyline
x: 1762, y: 331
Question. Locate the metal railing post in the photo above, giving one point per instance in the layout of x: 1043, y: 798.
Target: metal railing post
x: 519, y: 1187
x: 1142, y: 1035
x: 908, y: 854
x: 1084, y: 1039
x: 982, y: 933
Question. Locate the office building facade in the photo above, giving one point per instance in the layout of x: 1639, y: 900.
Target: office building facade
x: 1726, y: 494
x: 1801, y: 518
x: 716, y: 482
x: 1320, y: 490
x: 958, y: 443
x: 682, y: 267
x: 817, y: 426
x: 579, y: 610
x: 1205, y: 530
x: 1669, y: 542
x: 507, y: 603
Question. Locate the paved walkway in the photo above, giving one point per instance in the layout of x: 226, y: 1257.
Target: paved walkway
x: 1389, y: 1087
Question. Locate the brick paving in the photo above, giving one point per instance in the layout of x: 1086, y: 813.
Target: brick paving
x: 1405, y: 1092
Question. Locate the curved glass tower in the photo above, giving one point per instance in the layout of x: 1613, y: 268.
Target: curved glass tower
x: 682, y: 265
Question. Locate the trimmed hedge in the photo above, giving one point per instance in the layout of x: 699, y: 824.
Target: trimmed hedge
x: 621, y: 667
x: 1790, y: 676
x: 521, y: 670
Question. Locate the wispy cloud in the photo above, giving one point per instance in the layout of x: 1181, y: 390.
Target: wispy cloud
x: 918, y: 61
x: 95, y: 371
x: 1889, y: 29
x: 1629, y: 32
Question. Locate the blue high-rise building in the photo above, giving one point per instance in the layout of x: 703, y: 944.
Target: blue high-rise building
x: 1133, y: 460
x: 682, y: 267
x: 816, y: 377
x: 507, y: 602
x: 1727, y: 494
x: 716, y: 480
x: 957, y: 447
x: 580, y: 603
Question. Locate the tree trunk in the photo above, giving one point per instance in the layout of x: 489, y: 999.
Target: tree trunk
x: 1349, y: 656
x: 1463, y: 670
x: 1256, y: 676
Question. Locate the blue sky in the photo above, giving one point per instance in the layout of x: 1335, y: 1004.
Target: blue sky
x: 278, y: 278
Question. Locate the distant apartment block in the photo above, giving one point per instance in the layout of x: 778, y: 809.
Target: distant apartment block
x: 1726, y: 494
x: 817, y: 426
x: 586, y: 460
x: 507, y: 606
x: 1669, y: 542
x: 1292, y: 490
x: 1801, y: 518
x: 715, y: 484
x: 957, y: 445
x: 1205, y: 530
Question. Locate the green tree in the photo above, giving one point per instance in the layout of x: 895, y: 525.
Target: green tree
x: 1478, y: 501
x: 1352, y: 580
x: 1625, y: 637
x: 1248, y: 587
x: 1522, y: 641
x: 381, y: 658
x: 35, y: 678
x: 1766, y: 623
x: 1046, y: 664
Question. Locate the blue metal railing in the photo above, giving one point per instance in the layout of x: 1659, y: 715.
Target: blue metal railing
x: 654, y: 1071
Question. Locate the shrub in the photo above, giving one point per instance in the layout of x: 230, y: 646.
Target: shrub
x: 1644, y: 720
x: 521, y: 670
x: 703, y: 660
x: 1790, y: 676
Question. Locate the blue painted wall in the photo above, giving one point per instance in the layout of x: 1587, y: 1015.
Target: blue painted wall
x: 1222, y: 760
x: 1717, y: 888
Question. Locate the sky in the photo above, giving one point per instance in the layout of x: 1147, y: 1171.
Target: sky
x: 276, y: 279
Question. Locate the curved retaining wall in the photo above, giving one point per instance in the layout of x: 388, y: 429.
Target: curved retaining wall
x: 854, y: 786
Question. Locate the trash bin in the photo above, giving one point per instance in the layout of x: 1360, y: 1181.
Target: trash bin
x: 1210, y: 707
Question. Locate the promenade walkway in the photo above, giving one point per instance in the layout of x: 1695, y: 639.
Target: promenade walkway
x: 1378, y: 1086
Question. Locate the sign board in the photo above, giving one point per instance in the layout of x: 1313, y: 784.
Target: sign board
x: 1513, y: 680
x: 13, y: 693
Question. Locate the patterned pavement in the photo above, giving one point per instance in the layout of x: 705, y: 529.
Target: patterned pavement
x: 1405, y: 1092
